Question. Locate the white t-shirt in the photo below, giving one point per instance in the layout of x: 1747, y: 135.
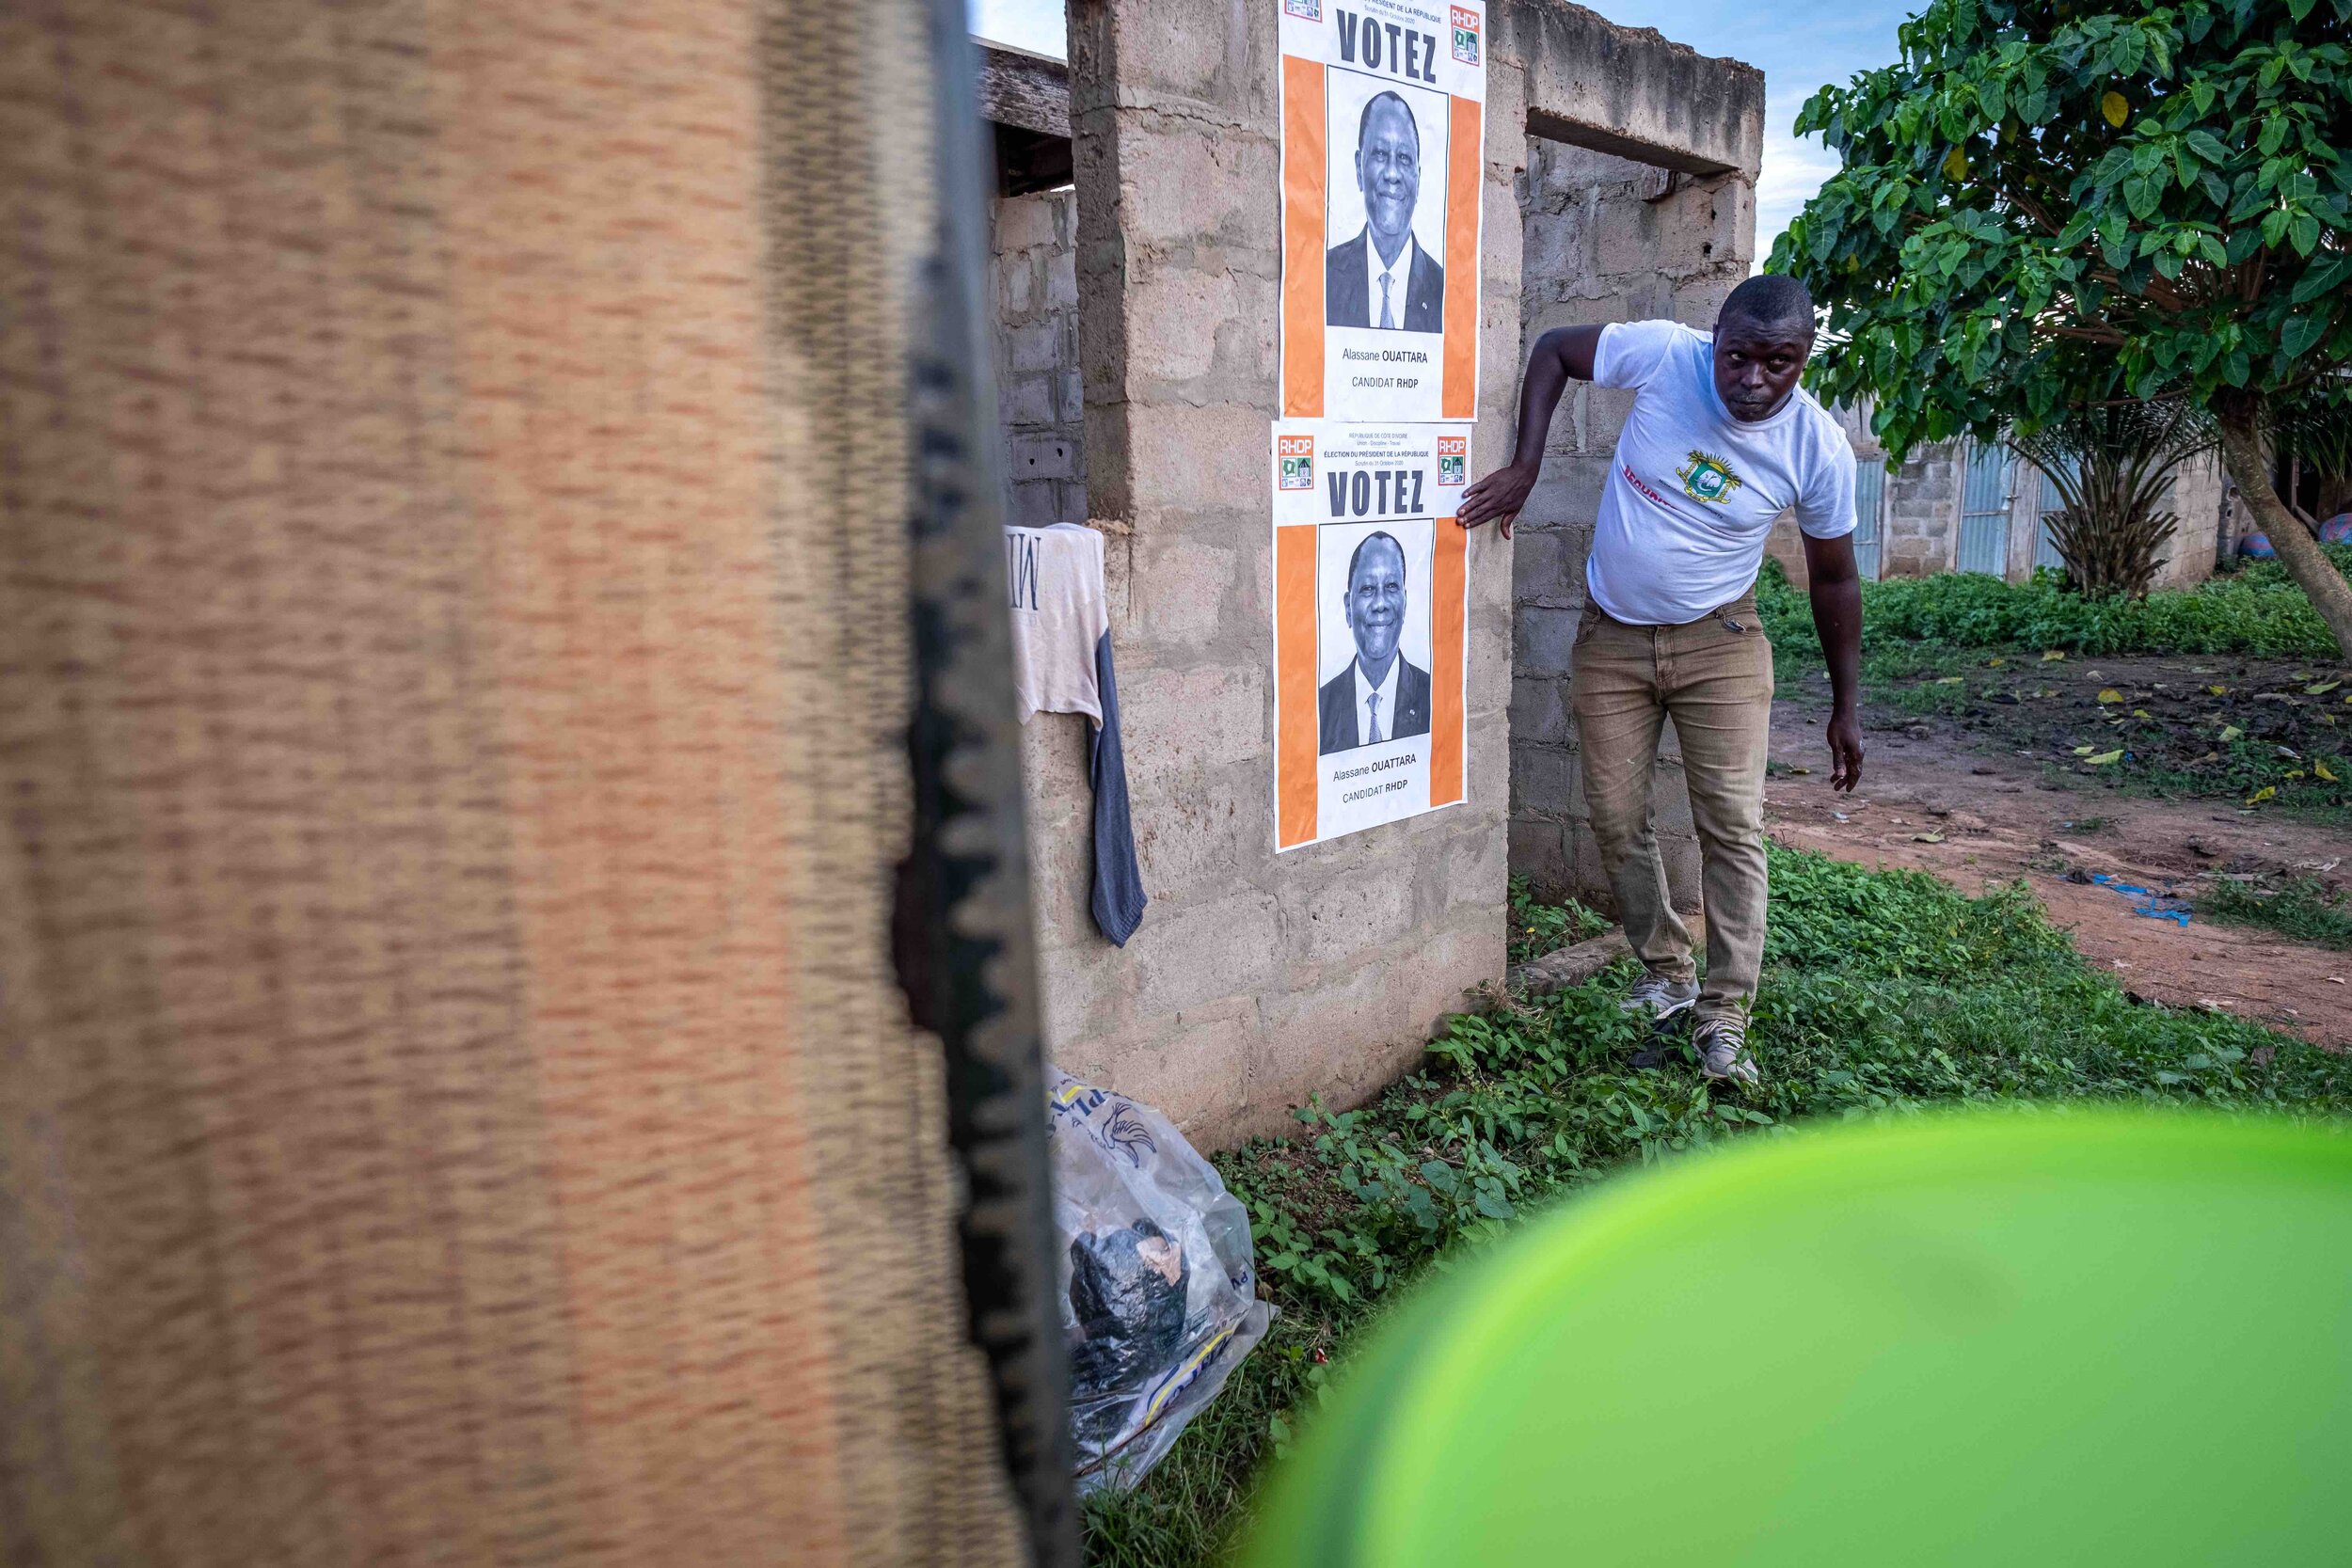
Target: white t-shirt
x: 1691, y: 491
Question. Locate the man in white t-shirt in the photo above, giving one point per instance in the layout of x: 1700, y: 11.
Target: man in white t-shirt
x: 1719, y: 441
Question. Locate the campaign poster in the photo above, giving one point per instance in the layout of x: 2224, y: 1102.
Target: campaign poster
x: 1383, y: 105
x: 1371, y: 616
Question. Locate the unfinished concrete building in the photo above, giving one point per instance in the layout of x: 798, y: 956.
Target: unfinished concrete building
x: 1138, y: 340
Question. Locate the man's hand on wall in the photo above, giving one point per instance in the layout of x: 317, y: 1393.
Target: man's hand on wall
x: 1498, y: 496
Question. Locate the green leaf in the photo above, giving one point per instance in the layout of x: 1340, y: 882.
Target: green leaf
x: 2323, y: 279
x: 2303, y: 230
x: 2301, y: 334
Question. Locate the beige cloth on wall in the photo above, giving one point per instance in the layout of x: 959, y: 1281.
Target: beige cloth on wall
x: 1054, y: 581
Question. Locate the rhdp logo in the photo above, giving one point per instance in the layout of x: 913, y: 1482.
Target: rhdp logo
x: 1465, y: 34
x: 1453, y: 460
x: 1709, y: 478
x: 1308, y: 10
x: 1298, y: 458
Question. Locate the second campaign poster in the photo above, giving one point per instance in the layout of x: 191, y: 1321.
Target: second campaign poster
x: 1371, y: 610
x: 1383, y: 132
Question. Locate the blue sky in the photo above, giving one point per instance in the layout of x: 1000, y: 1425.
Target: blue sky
x: 1799, y: 48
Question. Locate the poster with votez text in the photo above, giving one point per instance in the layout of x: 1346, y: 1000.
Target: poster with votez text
x: 1371, y: 612
x: 1383, y: 132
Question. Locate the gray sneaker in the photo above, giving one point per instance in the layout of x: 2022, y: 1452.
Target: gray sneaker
x: 1660, y: 997
x: 1723, y: 1047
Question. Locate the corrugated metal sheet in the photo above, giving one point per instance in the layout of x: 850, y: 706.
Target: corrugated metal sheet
x: 1869, y: 510
x: 1984, y: 510
x: 2045, y: 551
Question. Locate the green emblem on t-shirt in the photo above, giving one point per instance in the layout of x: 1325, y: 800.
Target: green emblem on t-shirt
x: 1707, y: 478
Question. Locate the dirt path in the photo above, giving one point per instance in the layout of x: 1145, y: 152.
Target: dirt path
x: 1933, y: 801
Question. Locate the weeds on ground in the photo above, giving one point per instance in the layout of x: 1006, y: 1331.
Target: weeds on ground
x: 1538, y: 928
x: 2259, y: 731
x: 1885, y: 993
x: 2303, y: 908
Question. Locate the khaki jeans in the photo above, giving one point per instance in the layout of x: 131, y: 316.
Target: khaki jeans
x: 1714, y: 678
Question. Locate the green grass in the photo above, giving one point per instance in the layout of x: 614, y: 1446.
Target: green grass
x: 2256, y: 611
x: 2301, y: 909
x: 1885, y: 993
x: 1538, y: 928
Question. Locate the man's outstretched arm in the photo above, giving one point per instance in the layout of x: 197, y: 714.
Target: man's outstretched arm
x: 1560, y: 355
x: 1837, y: 591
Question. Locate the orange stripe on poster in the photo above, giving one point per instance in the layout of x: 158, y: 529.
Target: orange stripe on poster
x: 1447, y: 653
x: 1302, y: 238
x: 1464, y: 162
x: 1294, y: 809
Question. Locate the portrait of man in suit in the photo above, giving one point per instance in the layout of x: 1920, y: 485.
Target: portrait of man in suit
x: 1382, y: 278
x: 1379, y: 696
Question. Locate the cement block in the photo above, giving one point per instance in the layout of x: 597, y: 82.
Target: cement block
x: 1070, y: 397
x: 1026, y: 222
x: 1025, y: 400
x: 1180, y: 49
x: 1340, y: 919
x: 1039, y: 345
x: 1543, y: 640
x: 1013, y: 276
x: 1173, y: 318
x: 1035, y: 503
x: 1061, y: 279
x: 1192, y: 583
x: 1200, y: 828
x: 1199, y: 1075
x: 1625, y: 236
x: 1043, y: 456
x: 1086, y: 997
x: 1198, y: 457
x: 1464, y: 884
x: 1175, y: 720
x: 1542, y: 781
x: 1548, y: 567
x: 1539, y: 708
x: 1182, y: 184
x: 1227, y: 948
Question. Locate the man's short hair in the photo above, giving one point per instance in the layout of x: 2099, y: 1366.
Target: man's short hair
x: 1364, y: 121
x: 1360, y: 552
x: 1772, y: 301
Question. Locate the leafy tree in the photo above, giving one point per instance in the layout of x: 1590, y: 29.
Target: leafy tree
x: 2314, y: 433
x: 2047, y: 206
x: 2111, y: 466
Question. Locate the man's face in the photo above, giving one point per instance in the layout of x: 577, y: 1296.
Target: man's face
x: 1388, y: 170
x: 1758, y: 367
x: 1375, y: 601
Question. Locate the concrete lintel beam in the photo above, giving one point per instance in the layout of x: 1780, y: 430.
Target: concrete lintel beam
x: 1630, y: 91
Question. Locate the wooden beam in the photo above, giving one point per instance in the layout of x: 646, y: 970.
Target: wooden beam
x: 1025, y: 91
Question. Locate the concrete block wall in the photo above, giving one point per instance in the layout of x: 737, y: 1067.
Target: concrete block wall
x: 1603, y: 239
x: 1259, y: 980
x: 1033, y: 282
x: 1923, y: 511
